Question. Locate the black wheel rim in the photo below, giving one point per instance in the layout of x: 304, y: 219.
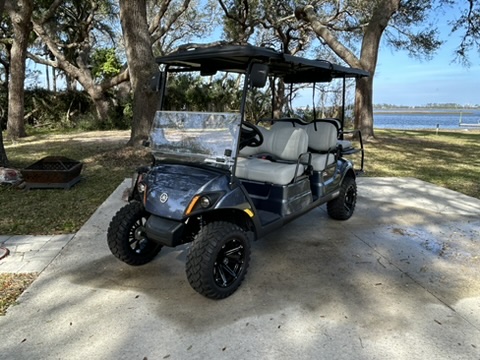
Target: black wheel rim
x: 137, y: 238
x: 349, y: 202
x: 229, y: 263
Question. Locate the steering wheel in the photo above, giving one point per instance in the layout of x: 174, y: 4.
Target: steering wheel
x: 250, y: 135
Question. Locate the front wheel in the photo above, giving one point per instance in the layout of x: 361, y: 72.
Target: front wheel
x: 342, y: 207
x: 126, y: 235
x: 218, y: 259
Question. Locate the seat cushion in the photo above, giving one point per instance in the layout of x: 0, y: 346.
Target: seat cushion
x: 345, y: 144
x: 285, y: 145
x: 321, y: 161
x: 267, y: 171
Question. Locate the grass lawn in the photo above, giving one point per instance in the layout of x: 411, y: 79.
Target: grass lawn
x: 450, y: 159
x: 106, y: 162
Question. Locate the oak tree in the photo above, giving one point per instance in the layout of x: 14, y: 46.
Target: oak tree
x: 3, y: 154
x: 20, y: 13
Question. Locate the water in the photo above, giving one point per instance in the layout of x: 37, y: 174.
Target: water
x: 425, y: 119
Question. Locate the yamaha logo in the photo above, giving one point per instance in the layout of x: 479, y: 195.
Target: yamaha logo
x: 163, y: 198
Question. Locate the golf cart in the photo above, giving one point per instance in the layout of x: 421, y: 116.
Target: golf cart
x: 218, y: 181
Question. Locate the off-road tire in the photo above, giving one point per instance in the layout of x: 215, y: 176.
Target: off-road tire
x: 342, y: 207
x: 126, y: 236
x: 218, y: 259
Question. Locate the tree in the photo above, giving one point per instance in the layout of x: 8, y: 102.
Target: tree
x: 337, y: 27
x: 176, y: 22
x: 70, y: 30
x: 139, y: 36
x: 6, y: 40
x: 141, y: 64
x: 267, y: 24
x: 402, y: 24
x: 469, y: 23
x: 20, y: 14
x: 3, y: 153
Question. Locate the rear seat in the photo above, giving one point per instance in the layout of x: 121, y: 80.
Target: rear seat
x: 322, y: 141
x: 343, y: 144
x: 277, y: 160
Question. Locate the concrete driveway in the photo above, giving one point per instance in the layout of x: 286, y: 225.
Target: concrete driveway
x: 399, y: 280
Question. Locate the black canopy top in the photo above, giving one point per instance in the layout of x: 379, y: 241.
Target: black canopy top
x: 236, y: 58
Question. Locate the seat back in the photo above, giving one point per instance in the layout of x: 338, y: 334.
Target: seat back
x: 322, y: 136
x: 285, y: 143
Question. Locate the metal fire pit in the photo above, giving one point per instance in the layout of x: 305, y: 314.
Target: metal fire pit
x: 52, y: 172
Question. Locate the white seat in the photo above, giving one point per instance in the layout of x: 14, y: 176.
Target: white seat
x: 322, y: 139
x: 284, y: 145
x: 343, y: 144
x: 263, y: 170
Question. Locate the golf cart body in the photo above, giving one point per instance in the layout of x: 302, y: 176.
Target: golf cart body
x: 219, y: 181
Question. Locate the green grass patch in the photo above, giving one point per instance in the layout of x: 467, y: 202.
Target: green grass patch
x: 106, y: 163
x: 449, y: 159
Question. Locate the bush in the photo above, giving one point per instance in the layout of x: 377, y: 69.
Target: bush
x: 60, y: 110
x: 69, y: 109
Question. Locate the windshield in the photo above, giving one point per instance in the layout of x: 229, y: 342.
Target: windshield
x: 195, y: 137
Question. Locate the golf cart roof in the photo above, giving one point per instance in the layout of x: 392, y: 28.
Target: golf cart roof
x: 237, y: 58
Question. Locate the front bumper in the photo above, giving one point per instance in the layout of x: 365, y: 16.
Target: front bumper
x: 164, y: 231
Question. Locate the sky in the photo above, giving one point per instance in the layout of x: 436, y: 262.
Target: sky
x: 401, y: 80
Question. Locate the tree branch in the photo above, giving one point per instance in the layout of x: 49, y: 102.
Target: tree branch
x: 171, y: 20
x: 155, y: 23
x: 50, y: 12
x: 307, y: 14
x: 116, y: 80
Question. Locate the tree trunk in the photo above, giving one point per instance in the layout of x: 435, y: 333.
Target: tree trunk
x: 100, y: 101
x: 3, y: 153
x: 54, y: 80
x: 368, y: 59
x: 47, y: 76
x: 141, y: 64
x: 22, y: 27
x: 364, y: 107
x: 280, y: 99
x: 102, y: 108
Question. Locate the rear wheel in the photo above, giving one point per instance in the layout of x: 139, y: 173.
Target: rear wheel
x: 342, y: 207
x: 218, y: 259
x: 126, y: 235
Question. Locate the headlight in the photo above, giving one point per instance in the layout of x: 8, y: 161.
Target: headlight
x: 205, y: 202
x: 141, y: 187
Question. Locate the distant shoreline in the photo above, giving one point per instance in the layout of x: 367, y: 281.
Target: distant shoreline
x: 423, y: 111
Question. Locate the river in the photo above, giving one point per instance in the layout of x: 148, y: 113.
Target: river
x: 425, y: 119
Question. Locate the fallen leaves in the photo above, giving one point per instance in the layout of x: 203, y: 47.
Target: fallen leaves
x: 11, y: 287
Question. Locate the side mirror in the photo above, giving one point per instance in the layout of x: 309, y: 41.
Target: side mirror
x: 258, y: 75
x: 156, y: 81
